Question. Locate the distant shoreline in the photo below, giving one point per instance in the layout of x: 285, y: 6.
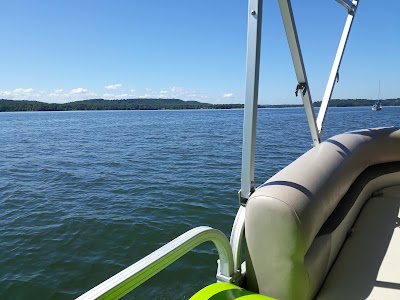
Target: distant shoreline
x: 161, y: 104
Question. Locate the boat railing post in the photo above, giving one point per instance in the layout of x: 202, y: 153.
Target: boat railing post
x: 251, y: 99
x: 237, y: 239
x: 333, y: 77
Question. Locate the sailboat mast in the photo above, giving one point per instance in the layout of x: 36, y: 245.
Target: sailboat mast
x: 379, y: 91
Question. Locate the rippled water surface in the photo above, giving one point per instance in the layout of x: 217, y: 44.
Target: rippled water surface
x: 85, y: 194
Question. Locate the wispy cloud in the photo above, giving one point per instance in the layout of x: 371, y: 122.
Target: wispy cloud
x: 78, y: 91
x: 55, y: 96
x: 185, y: 94
x: 23, y: 94
x: 23, y: 91
x: 110, y: 96
x: 76, y: 94
x: 228, y: 95
x: 6, y: 94
x: 123, y: 96
x: 116, y: 91
x: 175, y: 92
x: 113, y: 86
x: 20, y: 94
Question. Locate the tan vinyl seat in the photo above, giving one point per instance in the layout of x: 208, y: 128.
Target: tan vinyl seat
x: 368, y: 265
x: 297, y: 222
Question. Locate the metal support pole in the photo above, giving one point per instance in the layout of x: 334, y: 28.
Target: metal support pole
x: 251, y: 100
x: 336, y: 64
x: 294, y: 45
x: 237, y: 238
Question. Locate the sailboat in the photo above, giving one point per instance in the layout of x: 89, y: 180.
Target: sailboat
x: 377, y: 105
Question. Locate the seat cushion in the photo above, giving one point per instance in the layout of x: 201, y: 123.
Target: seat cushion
x: 368, y: 265
x: 290, y: 251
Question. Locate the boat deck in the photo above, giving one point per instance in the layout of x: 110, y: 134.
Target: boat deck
x: 368, y: 265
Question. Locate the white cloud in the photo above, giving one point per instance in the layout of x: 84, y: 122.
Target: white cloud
x: 175, y: 92
x: 5, y: 93
x: 228, y: 95
x: 109, y: 96
x: 23, y: 91
x: 56, y: 93
x: 180, y: 91
x: 184, y: 94
x: 77, y: 94
x: 163, y: 94
x: 176, y: 89
x: 123, y: 96
x: 78, y: 91
x: 113, y: 86
x: 23, y: 94
x: 55, y: 96
x: 61, y: 95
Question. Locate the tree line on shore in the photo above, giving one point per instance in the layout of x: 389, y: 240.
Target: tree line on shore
x: 359, y: 102
x: 101, y: 104
x: 160, y: 104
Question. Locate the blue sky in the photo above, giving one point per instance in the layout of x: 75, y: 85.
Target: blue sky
x: 62, y: 51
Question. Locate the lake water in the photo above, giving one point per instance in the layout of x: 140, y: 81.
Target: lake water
x: 85, y: 194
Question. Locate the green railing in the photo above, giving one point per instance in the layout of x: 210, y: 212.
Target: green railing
x: 131, y: 277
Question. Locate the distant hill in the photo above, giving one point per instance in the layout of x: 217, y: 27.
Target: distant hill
x: 160, y: 104
x: 358, y: 102
x: 101, y: 104
x: 344, y: 103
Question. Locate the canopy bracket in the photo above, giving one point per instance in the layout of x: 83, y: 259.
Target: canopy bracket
x: 348, y: 5
x: 301, y: 86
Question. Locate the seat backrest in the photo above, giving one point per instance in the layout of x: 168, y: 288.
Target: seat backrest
x: 291, y: 238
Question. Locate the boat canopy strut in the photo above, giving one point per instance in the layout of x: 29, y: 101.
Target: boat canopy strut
x: 336, y: 63
x: 252, y: 82
x: 295, y: 50
x: 251, y: 100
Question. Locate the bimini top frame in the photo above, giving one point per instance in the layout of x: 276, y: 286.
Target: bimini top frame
x: 251, y: 100
x: 252, y: 82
